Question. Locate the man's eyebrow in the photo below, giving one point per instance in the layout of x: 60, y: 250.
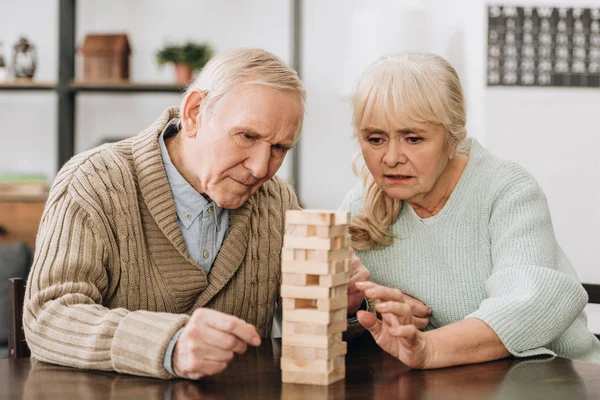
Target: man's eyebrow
x: 254, y: 132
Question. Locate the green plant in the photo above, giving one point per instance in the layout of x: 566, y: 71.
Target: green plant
x: 196, y: 55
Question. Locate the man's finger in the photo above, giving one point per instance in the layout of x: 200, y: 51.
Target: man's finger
x: 221, y: 340
x: 202, y: 367
x: 235, y: 326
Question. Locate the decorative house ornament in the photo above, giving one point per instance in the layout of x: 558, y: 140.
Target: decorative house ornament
x: 24, y: 59
x: 105, y: 57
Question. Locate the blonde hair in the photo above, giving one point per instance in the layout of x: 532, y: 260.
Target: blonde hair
x: 408, y: 87
x: 246, y: 66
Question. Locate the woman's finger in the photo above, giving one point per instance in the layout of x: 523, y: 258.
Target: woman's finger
x: 377, y: 292
x: 420, y: 323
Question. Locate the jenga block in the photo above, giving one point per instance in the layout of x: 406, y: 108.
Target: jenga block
x: 326, y: 255
x: 313, y: 378
x: 289, y: 254
x: 315, y: 341
x: 341, y: 278
x: 313, y: 242
x: 310, y: 217
x: 301, y: 328
x: 306, y: 292
x: 288, y: 278
x: 301, y: 230
x: 326, y: 305
x: 315, y: 316
x: 342, y: 218
x: 298, y: 304
x: 303, y: 365
x: 333, y: 303
x: 330, y: 231
x: 314, y: 268
x: 310, y: 353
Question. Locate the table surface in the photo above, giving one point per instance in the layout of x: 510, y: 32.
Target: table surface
x: 370, y: 374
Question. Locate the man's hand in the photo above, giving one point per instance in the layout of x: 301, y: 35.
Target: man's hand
x: 358, y: 273
x: 395, y: 333
x: 208, y: 342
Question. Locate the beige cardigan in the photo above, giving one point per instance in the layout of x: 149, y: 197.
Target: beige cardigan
x: 112, y: 281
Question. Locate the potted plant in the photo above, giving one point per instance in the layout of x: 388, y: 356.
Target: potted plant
x: 187, y: 58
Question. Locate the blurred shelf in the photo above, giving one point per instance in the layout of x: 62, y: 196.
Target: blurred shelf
x: 126, y: 87
x: 27, y: 86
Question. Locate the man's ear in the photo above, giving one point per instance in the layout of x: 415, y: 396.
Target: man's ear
x: 190, y: 112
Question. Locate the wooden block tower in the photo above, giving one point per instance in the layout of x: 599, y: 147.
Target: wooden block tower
x: 315, y: 274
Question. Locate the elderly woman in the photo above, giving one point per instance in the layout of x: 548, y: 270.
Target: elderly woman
x: 437, y: 217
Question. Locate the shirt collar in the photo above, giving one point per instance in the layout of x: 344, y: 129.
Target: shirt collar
x: 189, y: 204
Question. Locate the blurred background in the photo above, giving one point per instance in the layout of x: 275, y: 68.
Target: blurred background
x: 539, y: 109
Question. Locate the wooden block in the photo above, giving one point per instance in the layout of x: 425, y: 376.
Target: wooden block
x: 313, y: 378
x: 298, y: 304
x: 314, y: 267
x: 300, y: 230
x: 331, y: 231
x: 328, y: 255
x: 310, y: 217
x: 310, y: 353
x: 341, y: 278
x: 333, y: 304
x: 315, y: 316
x: 303, y: 365
x: 313, y: 242
x: 307, y: 292
x: 289, y: 254
x: 302, y: 328
x: 295, y: 279
x: 324, y: 280
x: 342, y: 218
x: 311, y: 304
x: 314, y: 341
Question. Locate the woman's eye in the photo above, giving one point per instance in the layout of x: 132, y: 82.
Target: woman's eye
x: 248, y: 136
x: 414, y: 139
x: 375, y: 140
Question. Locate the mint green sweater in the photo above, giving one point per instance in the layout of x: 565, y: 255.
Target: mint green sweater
x: 489, y: 254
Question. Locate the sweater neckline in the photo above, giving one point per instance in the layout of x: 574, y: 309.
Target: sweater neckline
x: 456, y: 198
x: 157, y: 195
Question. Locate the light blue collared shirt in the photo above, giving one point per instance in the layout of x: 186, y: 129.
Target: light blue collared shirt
x: 203, y: 224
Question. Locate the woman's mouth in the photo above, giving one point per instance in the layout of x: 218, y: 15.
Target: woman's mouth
x: 399, y: 178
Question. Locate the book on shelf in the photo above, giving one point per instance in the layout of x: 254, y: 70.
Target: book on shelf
x: 23, y: 186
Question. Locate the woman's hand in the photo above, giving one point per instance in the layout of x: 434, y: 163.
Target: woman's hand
x: 358, y: 273
x: 420, y: 311
x: 395, y: 333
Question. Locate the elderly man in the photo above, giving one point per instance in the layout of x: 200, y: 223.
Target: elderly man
x: 160, y: 255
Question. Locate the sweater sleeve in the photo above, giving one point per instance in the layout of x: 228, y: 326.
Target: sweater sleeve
x: 65, y: 321
x: 533, y: 294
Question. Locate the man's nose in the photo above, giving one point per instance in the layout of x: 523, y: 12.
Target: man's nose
x: 258, y: 162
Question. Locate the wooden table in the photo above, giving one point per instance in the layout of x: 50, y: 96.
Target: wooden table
x: 371, y: 374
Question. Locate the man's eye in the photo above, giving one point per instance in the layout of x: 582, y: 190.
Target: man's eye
x: 278, y: 147
x: 248, y: 136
